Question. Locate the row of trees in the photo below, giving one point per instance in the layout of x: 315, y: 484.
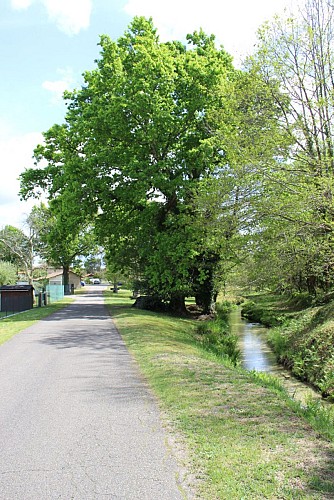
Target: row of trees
x: 294, y: 244
x: 189, y: 169
x: 45, y: 241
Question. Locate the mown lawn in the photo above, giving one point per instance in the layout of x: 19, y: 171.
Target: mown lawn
x: 239, y: 437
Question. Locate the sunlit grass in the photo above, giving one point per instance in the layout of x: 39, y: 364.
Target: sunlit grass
x: 245, y: 438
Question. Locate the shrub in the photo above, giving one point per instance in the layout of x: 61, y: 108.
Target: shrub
x: 223, y: 309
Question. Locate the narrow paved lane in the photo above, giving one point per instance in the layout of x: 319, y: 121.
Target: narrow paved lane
x: 76, y: 420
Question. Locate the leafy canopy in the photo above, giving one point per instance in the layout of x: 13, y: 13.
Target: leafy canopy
x: 136, y: 144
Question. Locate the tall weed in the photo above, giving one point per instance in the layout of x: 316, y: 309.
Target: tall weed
x: 215, y: 336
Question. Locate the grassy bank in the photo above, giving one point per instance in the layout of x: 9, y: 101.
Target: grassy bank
x: 270, y: 309
x: 306, y: 346
x: 12, y: 325
x: 245, y: 438
x: 303, y: 337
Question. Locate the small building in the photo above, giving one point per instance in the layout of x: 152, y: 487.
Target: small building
x: 54, y: 284
x: 55, y: 277
x: 16, y: 298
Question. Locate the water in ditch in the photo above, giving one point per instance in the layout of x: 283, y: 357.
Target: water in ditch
x: 257, y: 355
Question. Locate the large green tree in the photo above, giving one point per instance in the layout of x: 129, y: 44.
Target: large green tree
x: 136, y: 145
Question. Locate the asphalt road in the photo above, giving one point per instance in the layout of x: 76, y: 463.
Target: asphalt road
x: 76, y: 419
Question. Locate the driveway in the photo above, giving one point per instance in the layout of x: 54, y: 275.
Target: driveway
x: 77, y: 421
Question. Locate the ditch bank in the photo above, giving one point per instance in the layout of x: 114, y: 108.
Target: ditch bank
x: 302, y: 340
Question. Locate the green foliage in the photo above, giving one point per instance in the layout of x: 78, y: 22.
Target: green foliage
x: 62, y: 233
x: 19, y: 248
x: 6, y: 253
x: 278, y: 342
x: 8, y: 273
x: 234, y: 201
x: 223, y: 308
x: 136, y: 144
x: 191, y: 171
x: 301, y: 300
x: 214, y: 335
x: 291, y: 249
x: 322, y: 419
x: 92, y: 264
x: 260, y: 314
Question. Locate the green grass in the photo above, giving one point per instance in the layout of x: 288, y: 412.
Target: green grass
x: 12, y: 325
x: 269, y: 309
x: 306, y: 346
x: 245, y: 438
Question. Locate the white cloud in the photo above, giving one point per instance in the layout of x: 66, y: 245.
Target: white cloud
x: 16, y: 155
x: 234, y: 23
x: 70, y: 16
x: 58, y: 87
x: 21, y: 4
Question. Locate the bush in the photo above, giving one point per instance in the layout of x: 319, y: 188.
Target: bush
x: 278, y: 342
x: 223, y: 309
x: 326, y: 384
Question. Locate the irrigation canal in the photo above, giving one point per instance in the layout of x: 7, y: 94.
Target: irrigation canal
x: 257, y: 355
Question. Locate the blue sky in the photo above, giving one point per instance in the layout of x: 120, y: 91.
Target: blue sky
x: 46, y: 45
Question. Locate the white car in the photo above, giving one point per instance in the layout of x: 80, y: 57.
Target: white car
x: 95, y: 281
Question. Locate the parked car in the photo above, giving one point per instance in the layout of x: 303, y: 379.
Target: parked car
x: 96, y: 281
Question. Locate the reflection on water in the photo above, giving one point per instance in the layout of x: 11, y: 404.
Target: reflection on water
x: 255, y: 352
x: 257, y: 355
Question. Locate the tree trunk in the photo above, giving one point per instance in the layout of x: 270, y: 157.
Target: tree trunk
x: 206, y: 293
x: 206, y: 297
x: 66, y: 279
x: 177, y: 304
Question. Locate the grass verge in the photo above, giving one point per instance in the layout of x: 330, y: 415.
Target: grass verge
x: 12, y: 325
x: 246, y: 439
